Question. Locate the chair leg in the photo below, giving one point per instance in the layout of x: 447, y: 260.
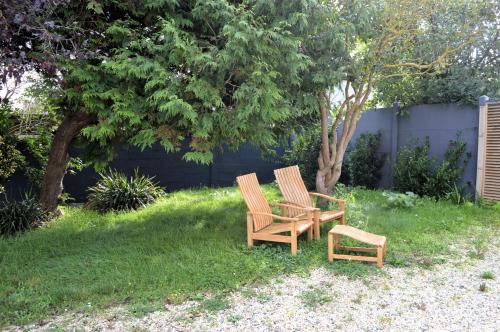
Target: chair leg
x: 342, y: 219
x: 310, y: 233
x: 294, y: 245
x: 380, y: 256
x: 330, y: 247
x: 293, y: 239
x: 317, y: 215
x: 338, y: 241
x: 249, y: 230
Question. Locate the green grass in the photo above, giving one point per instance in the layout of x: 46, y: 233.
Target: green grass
x: 488, y: 275
x: 193, y: 242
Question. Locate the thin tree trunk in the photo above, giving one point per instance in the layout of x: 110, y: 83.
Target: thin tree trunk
x: 52, y: 185
x: 332, y: 152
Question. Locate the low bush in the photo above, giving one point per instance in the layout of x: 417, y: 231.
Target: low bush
x: 364, y: 163
x: 116, y: 192
x: 20, y: 216
x: 416, y: 171
x: 412, y: 169
x: 400, y: 200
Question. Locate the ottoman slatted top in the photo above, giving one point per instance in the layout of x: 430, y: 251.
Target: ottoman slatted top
x: 334, y: 242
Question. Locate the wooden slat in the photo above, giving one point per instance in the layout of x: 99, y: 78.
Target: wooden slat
x: 292, y: 186
x: 490, y: 169
x: 255, y: 200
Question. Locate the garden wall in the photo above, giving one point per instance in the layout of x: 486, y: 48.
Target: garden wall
x: 173, y: 173
x: 440, y: 122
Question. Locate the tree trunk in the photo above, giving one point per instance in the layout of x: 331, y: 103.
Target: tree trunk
x: 52, y: 185
x: 332, y: 152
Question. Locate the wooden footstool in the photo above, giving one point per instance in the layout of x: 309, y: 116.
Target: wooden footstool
x: 334, y: 239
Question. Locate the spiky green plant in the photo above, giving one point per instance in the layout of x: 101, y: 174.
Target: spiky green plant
x: 116, y: 192
x: 20, y: 216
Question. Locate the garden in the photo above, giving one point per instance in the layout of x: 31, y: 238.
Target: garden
x: 352, y: 120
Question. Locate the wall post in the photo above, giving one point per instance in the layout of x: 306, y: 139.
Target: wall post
x: 394, y: 141
x: 481, y: 145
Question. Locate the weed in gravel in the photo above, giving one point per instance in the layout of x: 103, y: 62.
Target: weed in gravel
x: 138, y: 329
x: 234, y: 318
x: 483, y: 287
x: 488, y: 275
x: 216, y: 303
x: 263, y: 297
x: 248, y: 293
x: 384, y: 319
x: 140, y: 309
x: 251, y: 293
x: 315, y: 297
x: 478, y: 249
x: 184, y: 319
x: 420, y: 306
x: 358, y: 298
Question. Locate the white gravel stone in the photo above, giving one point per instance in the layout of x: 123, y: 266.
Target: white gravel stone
x: 444, y: 298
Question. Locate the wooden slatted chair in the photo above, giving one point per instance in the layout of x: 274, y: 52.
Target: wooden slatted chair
x: 294, y: 191
x: 261, y: 223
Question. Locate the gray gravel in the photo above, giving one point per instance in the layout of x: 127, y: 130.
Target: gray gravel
x: 445, y: 298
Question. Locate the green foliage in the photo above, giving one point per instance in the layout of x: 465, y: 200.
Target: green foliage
x: 10, y: 158
x: 364, y: 163
x: 472, y: 71
x: 213, y: 72
x: 304, y: 152
x: 458, y: 195
x: 171, y: 250
x: 488, y: 275
x: 20, y: 216
x: 116, y: 192
x: 414, y: 169
x: 26, y: 133
x: 446, y: 175
x: 400, y: 200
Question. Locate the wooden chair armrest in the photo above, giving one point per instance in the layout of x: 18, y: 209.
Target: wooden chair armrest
x: 341, y: 202
x: 288, y: 219
x: 294, y: 206
x: 274, y: 216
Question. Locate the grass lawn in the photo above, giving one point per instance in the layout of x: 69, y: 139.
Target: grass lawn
x: 193, y: 241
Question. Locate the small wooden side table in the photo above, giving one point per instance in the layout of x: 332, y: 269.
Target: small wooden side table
x: 334, y: 243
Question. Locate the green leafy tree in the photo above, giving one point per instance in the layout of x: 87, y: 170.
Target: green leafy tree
x: 214, y: 72
x: 357, y: 45
x: 472, y: 71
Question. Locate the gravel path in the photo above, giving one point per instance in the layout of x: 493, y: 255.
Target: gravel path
x: 445, y: 298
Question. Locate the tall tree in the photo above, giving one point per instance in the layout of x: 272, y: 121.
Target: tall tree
x: 360, y: 44
x: 133, y: 72
x: 472, y: 71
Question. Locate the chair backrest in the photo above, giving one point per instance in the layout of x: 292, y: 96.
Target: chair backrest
x: 255, y: 200
x: 292, y: 186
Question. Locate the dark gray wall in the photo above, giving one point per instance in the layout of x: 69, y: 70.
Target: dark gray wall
x: 170, y: 170
x: 173, y: 173
x: 440, y: 122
